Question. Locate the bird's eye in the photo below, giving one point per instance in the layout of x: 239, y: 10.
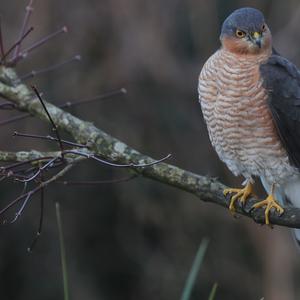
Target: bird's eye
x: 264, y: 28
x: 240, y: 34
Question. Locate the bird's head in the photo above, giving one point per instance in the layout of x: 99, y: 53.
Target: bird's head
x: 245, y: 32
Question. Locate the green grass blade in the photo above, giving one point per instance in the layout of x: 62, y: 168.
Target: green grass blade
x: 213, y: 292
x: 62, y: 252
x: 190, y: 282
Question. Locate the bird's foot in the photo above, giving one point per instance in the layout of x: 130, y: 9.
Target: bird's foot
x: 241, y: 195
x: 270, y: 202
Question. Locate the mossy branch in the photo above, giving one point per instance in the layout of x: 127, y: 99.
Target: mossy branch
x: 112, y: 149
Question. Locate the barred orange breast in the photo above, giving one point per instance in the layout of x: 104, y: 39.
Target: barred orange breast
x: 240, y: 125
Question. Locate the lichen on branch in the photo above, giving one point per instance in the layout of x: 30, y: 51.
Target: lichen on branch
x: 112, y: 149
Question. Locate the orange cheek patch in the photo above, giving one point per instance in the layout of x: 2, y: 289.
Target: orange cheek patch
x: 235, y: 45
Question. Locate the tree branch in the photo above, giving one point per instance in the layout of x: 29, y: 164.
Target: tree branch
x: 111, y: 149
x: 25, y: 156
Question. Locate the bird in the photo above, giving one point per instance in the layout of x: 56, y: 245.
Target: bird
x: 250, y: 100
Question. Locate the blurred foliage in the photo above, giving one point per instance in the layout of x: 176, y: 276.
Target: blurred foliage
x: 136, y: 240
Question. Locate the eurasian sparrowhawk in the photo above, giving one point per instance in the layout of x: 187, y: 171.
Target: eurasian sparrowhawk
x: 250, y: 99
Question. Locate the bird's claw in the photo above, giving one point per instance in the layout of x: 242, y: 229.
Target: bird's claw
x: 240, y: 194
x: 270, y: 202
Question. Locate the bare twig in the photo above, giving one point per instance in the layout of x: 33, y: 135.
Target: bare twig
x: 103, y: 96
x: 39, y: 187
x: 69, y: 104
x: 49, y: 138
x: 18, y: 42
x: 37, y: 44
x: 40, y: 169
x: 34, y: 73
x: 112, y: 164
x: 39, y: 231
x: 29, y: 9
x: 20, y: 211
x: 26, y: 162
x: 54, y: 128
x: 44, y: 40
x: 14, y: 119
x: 7, y: 106
x: 131, y: 165
x: 18, y: 199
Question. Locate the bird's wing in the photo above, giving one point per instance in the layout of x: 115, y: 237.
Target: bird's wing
x: 282, y: 80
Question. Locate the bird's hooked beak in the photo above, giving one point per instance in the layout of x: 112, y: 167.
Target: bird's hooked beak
x: 256, y: 38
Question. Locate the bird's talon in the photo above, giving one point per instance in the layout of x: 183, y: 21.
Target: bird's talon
x: 230, y: 191
x: 241, y: 195
x: 231, y: 206
x: 270, y: 202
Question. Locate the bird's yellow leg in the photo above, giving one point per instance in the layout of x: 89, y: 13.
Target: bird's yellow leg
x: 240, y: 194
x: 270, y: 202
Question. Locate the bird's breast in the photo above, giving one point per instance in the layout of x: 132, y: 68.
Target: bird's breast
x: 235, y: 108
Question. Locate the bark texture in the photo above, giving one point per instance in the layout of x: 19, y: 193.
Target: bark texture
x: 107, y: 147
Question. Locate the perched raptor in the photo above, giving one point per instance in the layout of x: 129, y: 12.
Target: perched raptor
x: 250, y: 99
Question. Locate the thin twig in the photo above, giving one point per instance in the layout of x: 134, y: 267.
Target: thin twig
x: 38, y: 188
x: 16, y: 44
x: 29, y: 9
x: 69, y: 104
x: 37, y: 44
x: 7, y: 106
x: 14, y: 119
x: 39, y: 231
x: 19, y: 164
x: 16, y: 216
x: 104, y: 96
x: 20, y: 211
x: 44, y: 167
x: 18, y: 199
x: 42, y: 41
x: 34, y: 73
x: 105, y: 162
x: 49, y: 138
x: 3, y: 178
x: 54, y: 128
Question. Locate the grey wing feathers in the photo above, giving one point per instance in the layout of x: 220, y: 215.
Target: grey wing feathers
x: 282, y: 79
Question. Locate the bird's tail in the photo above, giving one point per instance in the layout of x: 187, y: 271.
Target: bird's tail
x: 289, y: 194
